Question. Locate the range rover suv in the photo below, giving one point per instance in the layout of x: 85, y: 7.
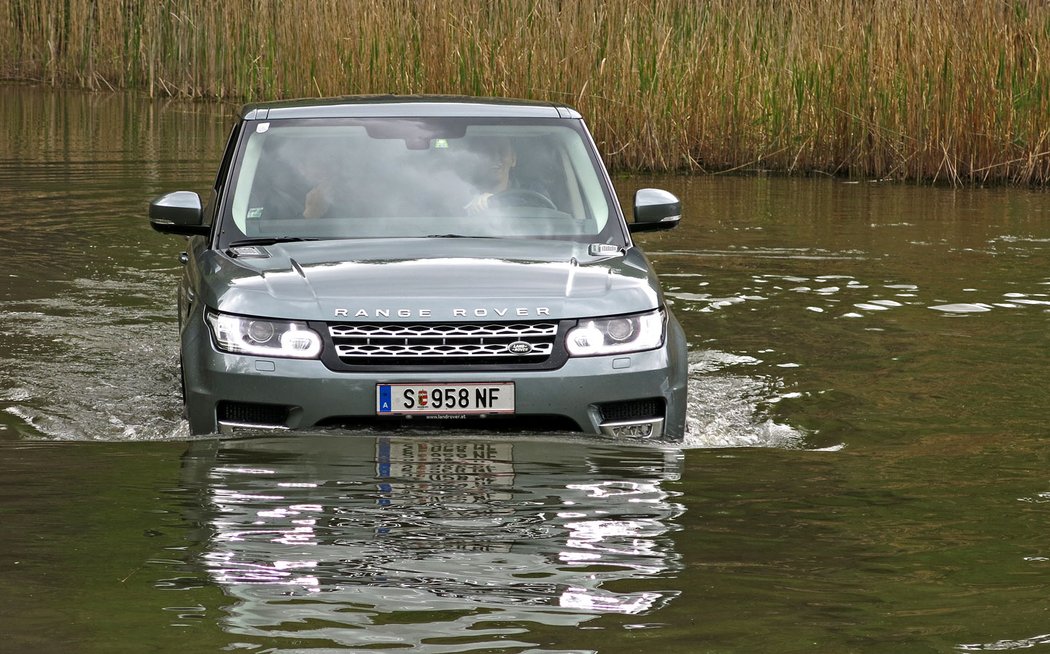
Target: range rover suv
x: 422, y: 261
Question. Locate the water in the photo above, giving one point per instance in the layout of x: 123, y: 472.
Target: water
x: 865, y: 469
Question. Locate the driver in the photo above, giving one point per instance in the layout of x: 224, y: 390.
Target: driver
x: 492, y: 174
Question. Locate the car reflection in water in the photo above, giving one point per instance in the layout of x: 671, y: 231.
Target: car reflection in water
x: 327, y: 537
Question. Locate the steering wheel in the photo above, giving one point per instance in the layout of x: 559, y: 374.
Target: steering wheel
x: 521, y: 197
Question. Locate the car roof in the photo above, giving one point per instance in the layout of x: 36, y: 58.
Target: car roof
x: 405, y: 106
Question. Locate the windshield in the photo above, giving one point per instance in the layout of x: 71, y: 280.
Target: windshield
x: 403, y: 177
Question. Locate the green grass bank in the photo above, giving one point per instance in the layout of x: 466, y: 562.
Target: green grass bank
x: 942, y: 91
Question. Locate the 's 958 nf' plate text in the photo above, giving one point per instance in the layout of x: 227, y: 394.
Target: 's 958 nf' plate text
x: 444, y: 399
x: 402, y: 259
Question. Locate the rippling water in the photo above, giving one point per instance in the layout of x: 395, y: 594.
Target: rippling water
x: 453, y: 540
x: 864, y: 469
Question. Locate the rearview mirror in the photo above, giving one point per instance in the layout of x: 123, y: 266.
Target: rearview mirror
x: 178, y: 213
x: 655, y: 209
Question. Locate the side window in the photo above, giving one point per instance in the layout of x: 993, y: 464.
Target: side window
x: 223, y: 174
x: 227, y: 156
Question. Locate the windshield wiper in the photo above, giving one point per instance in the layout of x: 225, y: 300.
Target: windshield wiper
x: 269, y: 240
x: 457, y: 236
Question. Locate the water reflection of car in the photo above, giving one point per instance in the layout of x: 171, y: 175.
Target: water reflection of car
x: 396, y: 260
x: 354, y: 541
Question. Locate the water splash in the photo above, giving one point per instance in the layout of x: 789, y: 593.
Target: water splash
x: 725, y: 408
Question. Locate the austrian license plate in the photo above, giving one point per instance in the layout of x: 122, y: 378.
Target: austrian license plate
x: 444, y: 399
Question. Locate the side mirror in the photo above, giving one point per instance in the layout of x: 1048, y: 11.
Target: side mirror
x: 178, y: 213
x: 655, y: 209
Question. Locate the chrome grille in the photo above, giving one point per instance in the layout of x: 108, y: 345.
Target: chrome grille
x: 442, y: 343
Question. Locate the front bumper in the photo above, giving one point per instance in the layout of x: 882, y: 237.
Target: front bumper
x: 309, y: 394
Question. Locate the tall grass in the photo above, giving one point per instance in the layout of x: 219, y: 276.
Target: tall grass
x: 946, y: 91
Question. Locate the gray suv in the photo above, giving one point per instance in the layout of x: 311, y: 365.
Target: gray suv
x: 422, y: 261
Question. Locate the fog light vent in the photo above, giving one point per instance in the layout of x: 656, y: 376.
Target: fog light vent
x: 251, y: 414
x: 633, y: 418
x: 632, y: 410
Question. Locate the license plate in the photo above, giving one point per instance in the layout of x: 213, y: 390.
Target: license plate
x: 444, y: 399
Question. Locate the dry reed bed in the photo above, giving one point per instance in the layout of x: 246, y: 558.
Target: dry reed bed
x: 902, y: 89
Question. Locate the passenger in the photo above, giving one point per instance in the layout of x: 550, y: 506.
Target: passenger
x: 321, y: 168
x: 299, y: 180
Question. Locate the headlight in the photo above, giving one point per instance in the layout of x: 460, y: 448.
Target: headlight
x: 268, y: 338
x: 644, y: 331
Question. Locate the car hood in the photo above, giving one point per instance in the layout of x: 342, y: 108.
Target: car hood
x: 404, y: 280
